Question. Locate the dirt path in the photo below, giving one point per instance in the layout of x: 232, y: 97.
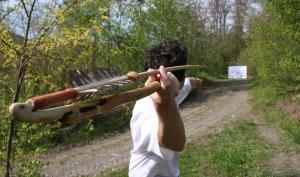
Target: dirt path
x: 203, y: 112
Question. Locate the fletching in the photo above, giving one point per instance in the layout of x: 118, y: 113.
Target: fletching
x: 88, y: 76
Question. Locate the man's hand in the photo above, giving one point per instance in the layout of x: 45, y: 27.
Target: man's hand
x: 169, y: 87
x: 196, y: 83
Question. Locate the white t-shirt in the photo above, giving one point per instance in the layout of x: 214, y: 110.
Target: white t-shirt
x: 148, y: 158
x: 184, y: 91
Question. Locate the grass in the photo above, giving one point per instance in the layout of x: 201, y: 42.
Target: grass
x: 123, y: 172
x: 265, y: 102
x: 237, y: 151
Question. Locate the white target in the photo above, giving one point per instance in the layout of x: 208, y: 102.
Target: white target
x: 237, y: 72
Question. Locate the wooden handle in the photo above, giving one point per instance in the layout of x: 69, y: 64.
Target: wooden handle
x: 109, y: 103
x: 47, y: 100
x: 129, y: 96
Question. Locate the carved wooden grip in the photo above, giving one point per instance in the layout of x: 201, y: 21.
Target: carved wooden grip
x: 111, y: 102
x: 130, y: 96
x: 47, y: 100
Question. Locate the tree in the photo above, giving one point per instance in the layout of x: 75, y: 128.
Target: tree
x: 26, y: 51
x: 272, y: 46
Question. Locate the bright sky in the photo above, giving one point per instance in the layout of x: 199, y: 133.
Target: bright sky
x: 15, y: 18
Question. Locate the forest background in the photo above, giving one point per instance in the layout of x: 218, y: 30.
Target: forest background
x: 40, y: 41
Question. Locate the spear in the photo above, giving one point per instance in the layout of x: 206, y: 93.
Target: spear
x: 32, y: 110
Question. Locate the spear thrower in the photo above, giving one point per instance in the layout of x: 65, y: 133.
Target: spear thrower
x: 38, y: 109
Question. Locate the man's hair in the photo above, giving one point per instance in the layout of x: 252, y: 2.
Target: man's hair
x: 167, y: 53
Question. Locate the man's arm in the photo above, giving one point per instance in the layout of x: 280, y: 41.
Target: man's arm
x: 171, y: 132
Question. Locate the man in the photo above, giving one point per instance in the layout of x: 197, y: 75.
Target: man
x: 156, y: 125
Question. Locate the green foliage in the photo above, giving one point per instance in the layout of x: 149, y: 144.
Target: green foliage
x: 273, y: 47
x: 28, y: 165
x: 264, y: 98
x: 116, y: 121
x: 221, y: 53
x: 3, y: 139
x: 123, y: 172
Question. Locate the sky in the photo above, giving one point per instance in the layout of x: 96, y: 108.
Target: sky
x: 14, y: 19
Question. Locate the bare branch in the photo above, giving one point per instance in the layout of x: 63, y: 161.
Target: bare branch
x: 8, y: 11
x: 48, y: 29
x: 28, y: 24
x: 26, y: 57
x: 6, y: 14
x: 42, y: 37
x: 25, y: 9
x: 31, y: 10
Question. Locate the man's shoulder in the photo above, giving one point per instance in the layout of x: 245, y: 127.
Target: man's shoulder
x: 144, y: 102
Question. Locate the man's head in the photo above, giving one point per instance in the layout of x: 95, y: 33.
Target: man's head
x: 167, y: 53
